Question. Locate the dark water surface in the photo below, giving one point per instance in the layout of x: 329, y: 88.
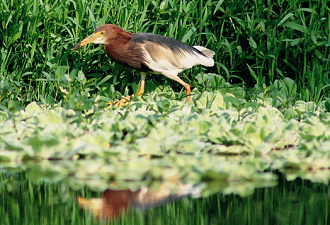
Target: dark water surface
x: 23, y: 201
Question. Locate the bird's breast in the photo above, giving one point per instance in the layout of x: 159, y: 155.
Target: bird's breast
x: 127, y: 55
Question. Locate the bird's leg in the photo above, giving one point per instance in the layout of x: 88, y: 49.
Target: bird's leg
x: 143, y: 78
x: 124, y: 101
x: 185, y: 85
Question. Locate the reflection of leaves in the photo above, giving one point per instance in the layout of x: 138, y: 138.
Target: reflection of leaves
x: 46, y: 171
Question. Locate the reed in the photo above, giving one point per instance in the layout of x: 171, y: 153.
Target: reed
x: 256, y: 43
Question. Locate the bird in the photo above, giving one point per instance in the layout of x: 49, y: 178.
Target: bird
x: 113, y: 203
x: 149, y: 53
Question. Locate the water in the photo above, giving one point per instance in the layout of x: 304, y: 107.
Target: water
x: 23, y: 201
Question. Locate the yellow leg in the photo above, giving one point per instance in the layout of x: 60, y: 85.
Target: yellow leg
x: 124, y: 101
x: 141, y: 90
x: 185, y: 85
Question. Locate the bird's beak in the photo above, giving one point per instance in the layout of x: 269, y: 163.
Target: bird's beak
x: 90, y: 39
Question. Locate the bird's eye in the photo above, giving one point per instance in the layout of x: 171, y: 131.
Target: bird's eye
x: 102, y: 32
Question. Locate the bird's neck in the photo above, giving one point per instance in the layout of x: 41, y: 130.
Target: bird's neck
x: 121, y: 38
x: 115, y: 48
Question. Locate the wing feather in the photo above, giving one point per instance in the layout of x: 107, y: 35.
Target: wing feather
x: 169, y: 56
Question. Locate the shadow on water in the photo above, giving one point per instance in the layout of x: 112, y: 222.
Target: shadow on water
x: 23, y: 201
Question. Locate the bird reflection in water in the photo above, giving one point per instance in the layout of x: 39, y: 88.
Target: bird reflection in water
x: 115, y: 202
x: 149, y: 53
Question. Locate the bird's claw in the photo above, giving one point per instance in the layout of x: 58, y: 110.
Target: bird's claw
x: 120, y: 103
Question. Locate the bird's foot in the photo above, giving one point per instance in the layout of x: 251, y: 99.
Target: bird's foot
x: 120, y: 103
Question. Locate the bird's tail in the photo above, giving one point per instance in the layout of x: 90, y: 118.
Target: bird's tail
x: 205, y: 51
x: 208, y: 53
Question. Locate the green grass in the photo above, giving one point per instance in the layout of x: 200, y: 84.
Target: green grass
x: 256, y: 43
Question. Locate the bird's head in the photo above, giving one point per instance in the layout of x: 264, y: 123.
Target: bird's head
x: 100, y: 36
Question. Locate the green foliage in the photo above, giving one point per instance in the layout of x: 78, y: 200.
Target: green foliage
x: 167, y: 136
x: 255, y: 42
